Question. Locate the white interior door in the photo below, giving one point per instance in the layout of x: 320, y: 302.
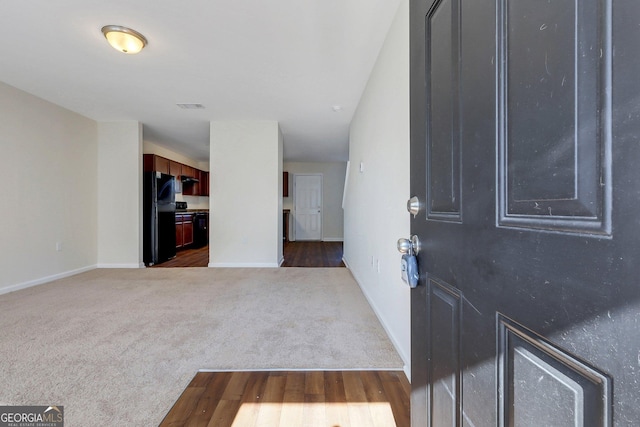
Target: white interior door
x: 308, y: 207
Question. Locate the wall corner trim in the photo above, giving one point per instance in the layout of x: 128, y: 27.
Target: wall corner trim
x: 243, y: 265
x: 405, y: 357
x: 114, y: 265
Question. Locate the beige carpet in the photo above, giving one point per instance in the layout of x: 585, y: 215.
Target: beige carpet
x: 117, y: 347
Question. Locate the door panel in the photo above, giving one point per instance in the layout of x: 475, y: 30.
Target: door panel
x: 444, y: 348
x: 308, y: 207
x: 574, y: 394
x: 525, y: 134
x: 444, y: 155
x: 554, y: 113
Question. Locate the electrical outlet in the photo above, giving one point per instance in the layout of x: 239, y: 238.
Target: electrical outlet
x: 58, y: 246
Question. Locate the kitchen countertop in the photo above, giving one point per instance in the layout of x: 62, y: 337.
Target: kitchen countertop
x: 192, y: 211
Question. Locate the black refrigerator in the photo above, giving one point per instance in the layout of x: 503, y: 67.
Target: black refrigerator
x: 159, y: 224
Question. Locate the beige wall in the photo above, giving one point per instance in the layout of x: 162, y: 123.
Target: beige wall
x: 48, y: 191
x: 333, y: 174
x: 375, y: 208
x: 246, y: 192
x: 120, y: 194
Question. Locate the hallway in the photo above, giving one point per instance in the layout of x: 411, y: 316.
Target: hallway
x: 296, y: 254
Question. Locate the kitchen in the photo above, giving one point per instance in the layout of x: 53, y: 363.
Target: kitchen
x: 176, y: 212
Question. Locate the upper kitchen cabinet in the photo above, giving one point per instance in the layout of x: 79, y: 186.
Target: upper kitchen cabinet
x: 188, y: 171
x: 285, y: 184
x: 191, y: 181
x: 204, y: 183
x: 175, y: 168
x: 194, y: 181
x: 153, y: 163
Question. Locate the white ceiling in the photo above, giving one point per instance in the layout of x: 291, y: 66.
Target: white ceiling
x: 284, y: 60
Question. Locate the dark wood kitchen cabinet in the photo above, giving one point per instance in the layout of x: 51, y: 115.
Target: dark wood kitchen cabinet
x: 153, y: 163
x: 191, y: 188
x: 162, y: 164
x: 285, y: 184
x: 184, y: 230
x: 187, y: 232
x: 175, y: 168
x: 188, y: 171
x: 179, y: 230
x: 204, y: 183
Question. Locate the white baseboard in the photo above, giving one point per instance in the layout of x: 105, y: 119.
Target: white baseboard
x: 109, y: 265
x: 281, y: 261
x: 332, y: 239
x: 243, y: 265
x: 406, y: 358
x: 47, y: 279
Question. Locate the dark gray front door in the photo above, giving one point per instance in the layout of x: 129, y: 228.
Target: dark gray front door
x: 525, y: 144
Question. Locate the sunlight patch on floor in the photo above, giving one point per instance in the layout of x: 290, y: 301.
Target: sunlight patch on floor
x: 325, y: 414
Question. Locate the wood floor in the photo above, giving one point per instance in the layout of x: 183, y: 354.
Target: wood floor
x: 198, y: 257
x: 313, y: 254
x: 296, y: 254
x: 292, y: 399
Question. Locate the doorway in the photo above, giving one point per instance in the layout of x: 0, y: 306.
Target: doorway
x: 307, y: 199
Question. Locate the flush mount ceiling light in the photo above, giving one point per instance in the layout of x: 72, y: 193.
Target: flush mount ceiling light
x: 124, y: 39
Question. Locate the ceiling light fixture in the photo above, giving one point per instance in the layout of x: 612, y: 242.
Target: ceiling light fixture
x: 124, y: 39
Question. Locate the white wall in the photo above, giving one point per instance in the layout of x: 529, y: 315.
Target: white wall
x: 375, y: 210
x: 246, y: 209
x: 120, y: 194
x: 48, y: 191
x: 280, y: 234
x: 332, y: 190
x: 193, y: 202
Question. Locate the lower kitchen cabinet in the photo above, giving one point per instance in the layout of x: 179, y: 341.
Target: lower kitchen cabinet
x: 187, y: 235
x: 184, y: 230
x: 179, y: 229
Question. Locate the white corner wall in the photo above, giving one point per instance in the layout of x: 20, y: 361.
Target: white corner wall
x: 245, y: 212
x: 280, y: 234
x: 375, y: 207
x: 333, y: 174
x: 48, y: 191
x: 120, y: 194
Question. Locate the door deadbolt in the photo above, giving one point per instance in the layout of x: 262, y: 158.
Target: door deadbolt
x: 413, y: 206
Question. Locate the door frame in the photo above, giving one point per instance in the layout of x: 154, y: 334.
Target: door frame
x: 293, y: 207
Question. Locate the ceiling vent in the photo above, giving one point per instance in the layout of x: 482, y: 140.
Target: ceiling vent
x: 191, y: 106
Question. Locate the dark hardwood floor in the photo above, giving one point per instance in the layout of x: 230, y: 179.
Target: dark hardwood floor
x: 293, y: 398
x: 313, y: 254
x: 198, y: 257
x: 296, y: 254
